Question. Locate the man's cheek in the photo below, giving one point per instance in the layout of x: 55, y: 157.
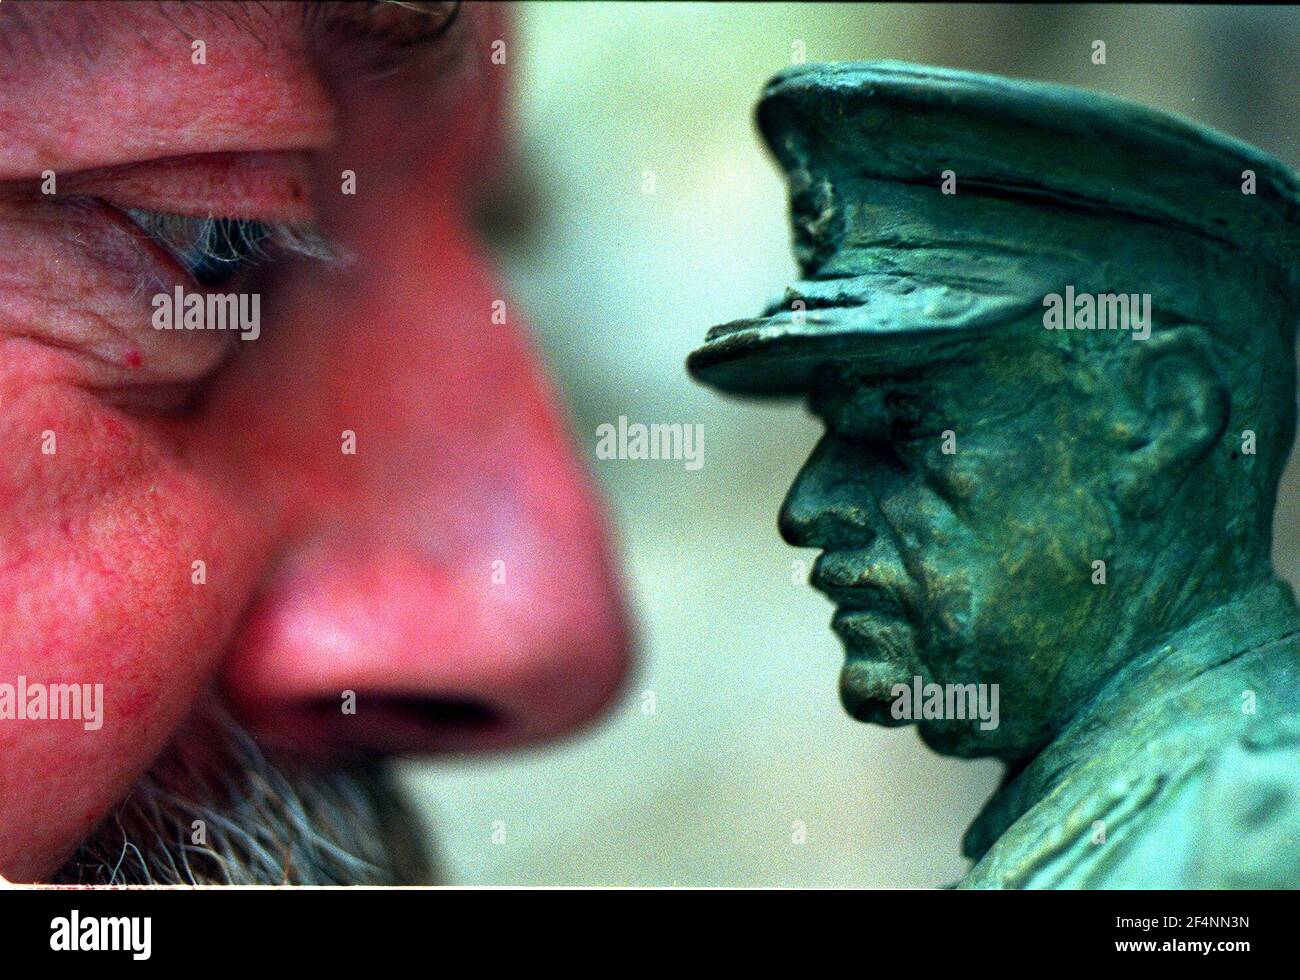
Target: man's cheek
x: 120, y: 572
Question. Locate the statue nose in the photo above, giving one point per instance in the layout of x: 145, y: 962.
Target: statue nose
x: 828, y: 505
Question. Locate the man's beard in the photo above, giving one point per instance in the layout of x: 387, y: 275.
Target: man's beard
x: 216, y: 810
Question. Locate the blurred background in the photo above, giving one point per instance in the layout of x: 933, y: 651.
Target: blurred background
x: 642, y: 210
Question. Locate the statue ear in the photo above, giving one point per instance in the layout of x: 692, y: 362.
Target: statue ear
x: 1179, y: 404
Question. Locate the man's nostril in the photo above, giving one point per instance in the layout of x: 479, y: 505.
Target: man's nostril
x: 406, y: 709
x: 436, y: 711
x: 403, y: 723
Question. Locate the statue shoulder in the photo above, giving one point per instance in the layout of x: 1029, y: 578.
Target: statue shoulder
x: 1245, y: 825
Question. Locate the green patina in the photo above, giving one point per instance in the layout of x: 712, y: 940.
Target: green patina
x: 1081, y: 517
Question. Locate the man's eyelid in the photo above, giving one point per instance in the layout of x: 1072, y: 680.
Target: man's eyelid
x: 270, y: 187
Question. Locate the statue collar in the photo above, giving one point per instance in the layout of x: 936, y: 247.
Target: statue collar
x: 1145, y: 688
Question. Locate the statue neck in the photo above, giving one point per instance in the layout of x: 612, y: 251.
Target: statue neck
x: 1264, y: 614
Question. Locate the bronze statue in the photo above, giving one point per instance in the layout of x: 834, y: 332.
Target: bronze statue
x: 1051, y: 336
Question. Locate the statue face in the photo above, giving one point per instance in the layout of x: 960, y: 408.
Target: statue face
x: 960, y: 507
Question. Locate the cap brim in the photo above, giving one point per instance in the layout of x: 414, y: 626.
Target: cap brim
x: 777, y: 356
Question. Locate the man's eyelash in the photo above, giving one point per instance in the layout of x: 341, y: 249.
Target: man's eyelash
x: 213, y: 250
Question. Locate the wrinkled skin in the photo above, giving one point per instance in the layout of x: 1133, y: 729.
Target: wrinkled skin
x: 325, y: 572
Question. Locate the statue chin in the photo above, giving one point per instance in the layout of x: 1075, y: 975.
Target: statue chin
x: 962, y: 741
x: 865, y: 690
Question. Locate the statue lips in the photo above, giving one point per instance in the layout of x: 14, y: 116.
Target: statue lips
x: 879, y: 653
x: 879, y: 644
x: 839, y: 577
x: 877, y: 607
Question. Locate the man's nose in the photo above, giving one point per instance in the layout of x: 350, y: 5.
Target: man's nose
x: 376, y: 643
x: 444, y: 580
x: 829, y: 505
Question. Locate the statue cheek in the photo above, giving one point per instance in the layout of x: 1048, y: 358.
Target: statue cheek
x: 949, y: 612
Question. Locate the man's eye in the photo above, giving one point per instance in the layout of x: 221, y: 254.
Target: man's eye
x: 212, y: 250
x: 216, y: 250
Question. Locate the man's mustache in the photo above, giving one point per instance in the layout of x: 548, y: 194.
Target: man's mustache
x: 216, y: 809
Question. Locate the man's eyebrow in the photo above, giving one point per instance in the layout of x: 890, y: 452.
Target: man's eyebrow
x: 393, y: 24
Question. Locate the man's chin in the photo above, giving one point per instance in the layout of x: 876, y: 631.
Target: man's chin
x: 215, y: 809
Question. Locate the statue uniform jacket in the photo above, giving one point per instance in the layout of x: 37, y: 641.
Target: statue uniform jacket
x: 1209, y: 797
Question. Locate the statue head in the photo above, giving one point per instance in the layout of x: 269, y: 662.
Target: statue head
x: 1051, y: 338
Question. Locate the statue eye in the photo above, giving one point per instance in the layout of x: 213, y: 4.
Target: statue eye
x: 212, y: 250
x: 907, y: 415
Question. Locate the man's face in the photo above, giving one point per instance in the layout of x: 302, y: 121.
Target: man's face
x: 960, y: 508
x: 362, y: 532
